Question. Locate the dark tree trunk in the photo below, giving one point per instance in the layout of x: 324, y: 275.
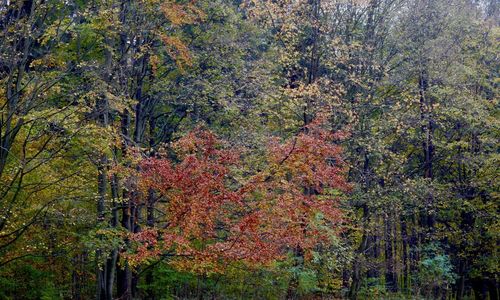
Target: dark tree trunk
x: 427, y: 124
x: 404, y: 237
x: 414, y: 244
x: 359, y: 258
x: 102, y: 285
x: 461, y: 280
x: 390, y: 275
x: 123, y: 273
x: 124, y: 278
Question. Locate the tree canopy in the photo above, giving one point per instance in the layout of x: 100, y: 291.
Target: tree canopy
x: 249, y: 149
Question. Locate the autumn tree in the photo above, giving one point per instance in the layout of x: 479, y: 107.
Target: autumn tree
x: 212, y: 219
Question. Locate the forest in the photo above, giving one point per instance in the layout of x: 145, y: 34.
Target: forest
x: 249, y: 149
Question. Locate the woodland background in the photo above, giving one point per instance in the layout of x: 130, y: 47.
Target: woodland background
x: 249, y: 149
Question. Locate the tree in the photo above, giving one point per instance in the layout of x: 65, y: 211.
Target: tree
x: 211, y: 221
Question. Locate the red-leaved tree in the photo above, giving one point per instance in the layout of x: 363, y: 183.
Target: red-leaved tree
x: 210, y: 220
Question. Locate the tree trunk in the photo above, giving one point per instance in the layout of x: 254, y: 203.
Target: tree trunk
x: 357, y: 264
x: 404, y: 237
x: 427, y: 144
x: 414, y: 245
x: 101, y: 189
x: 390, y: 276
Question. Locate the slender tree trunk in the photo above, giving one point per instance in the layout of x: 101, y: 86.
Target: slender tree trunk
x: 101, y: 190
x: 390, y: 276
x: 427, y: 144
x: 150, y: 222
x: 123, y: 273
x: 404, y: 237
x: 414, y: 245
x: 124, y: 276
x: 110, y: 274
x: 359, y: 258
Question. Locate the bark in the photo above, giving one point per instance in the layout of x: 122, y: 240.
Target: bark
x: 150, y: 223
x: 124, y: 274
x: 427, y: 124
x: 414, y: 244
x: 102, y: 285
x: 78, y: 276
x: 390, y: 275
x: 124, y: 282
x: 373, y: 251
x: 357, y: 264
x: 101, y: 271
x: 461, y: 280
x: 405, y: 284
x: 106, y: 272
x: 110, y: 274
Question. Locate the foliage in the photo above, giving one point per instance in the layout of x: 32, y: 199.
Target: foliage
x: 209, y: 219
x: 249, y: 149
